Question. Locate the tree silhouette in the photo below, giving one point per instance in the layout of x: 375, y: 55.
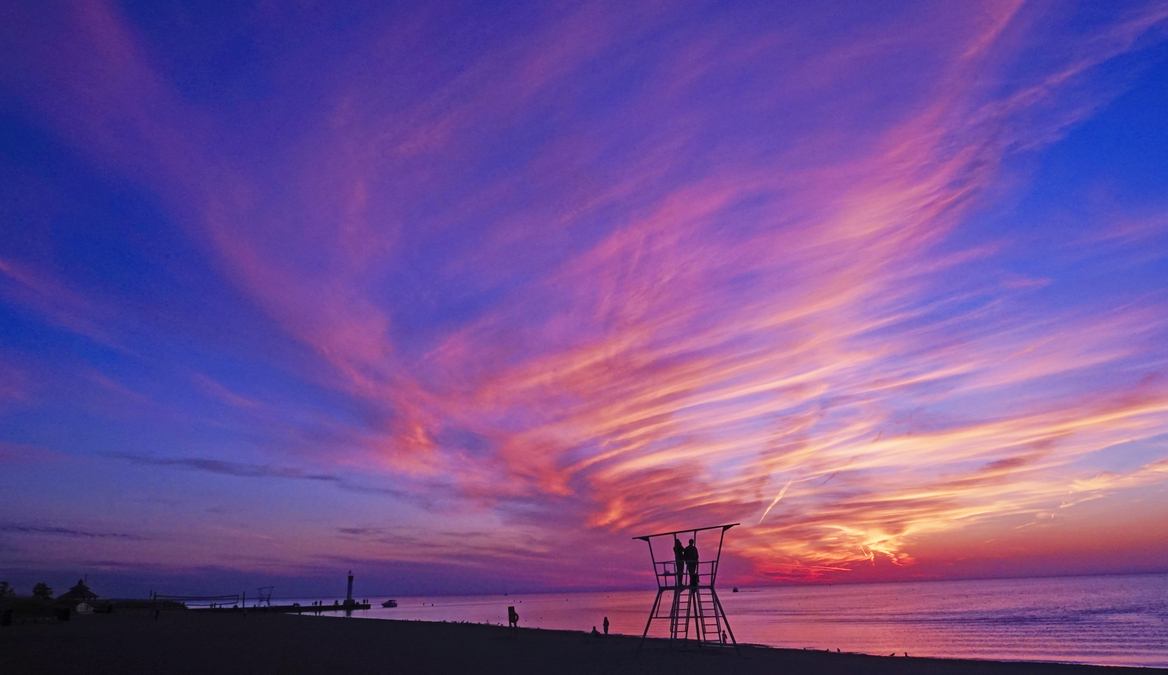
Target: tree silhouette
x: 42, y: 591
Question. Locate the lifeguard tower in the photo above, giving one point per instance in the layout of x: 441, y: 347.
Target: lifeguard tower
x: 691, y: 584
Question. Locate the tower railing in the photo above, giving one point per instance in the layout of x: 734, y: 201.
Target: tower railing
x: 668, y: 577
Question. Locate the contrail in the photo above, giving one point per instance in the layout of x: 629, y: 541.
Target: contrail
x: 781, y: 493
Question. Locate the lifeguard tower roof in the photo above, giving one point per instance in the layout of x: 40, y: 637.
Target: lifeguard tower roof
x: 647, y: 537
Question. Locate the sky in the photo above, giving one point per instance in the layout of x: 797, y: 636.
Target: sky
x: 464, y: 296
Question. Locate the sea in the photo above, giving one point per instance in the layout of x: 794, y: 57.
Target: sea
x: 1103, y: 620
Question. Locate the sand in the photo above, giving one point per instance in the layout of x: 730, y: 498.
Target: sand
x: 187, y: 642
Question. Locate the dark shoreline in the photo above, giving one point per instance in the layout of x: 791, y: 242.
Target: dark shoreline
x: 195, y: 642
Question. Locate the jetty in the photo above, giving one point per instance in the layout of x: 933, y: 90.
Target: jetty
x: 237, y: 603
x: 294, y: 608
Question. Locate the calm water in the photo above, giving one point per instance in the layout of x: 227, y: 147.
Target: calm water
x: 1100, y: 620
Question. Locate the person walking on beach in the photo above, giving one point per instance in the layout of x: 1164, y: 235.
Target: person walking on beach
x: 513, y: 620
x: 606, y: 625
x: 678, y: 560
x: 691, y: 562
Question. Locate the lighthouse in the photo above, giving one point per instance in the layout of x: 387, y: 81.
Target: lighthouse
x: 349, y: 595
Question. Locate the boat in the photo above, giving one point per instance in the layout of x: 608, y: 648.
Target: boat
x: 389, y: 603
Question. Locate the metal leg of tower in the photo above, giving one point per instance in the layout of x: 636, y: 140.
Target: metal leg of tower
x: 652, y: 613
x: 725, y: 620
x: 689, y: 613
x: 679, y: 616
x: 674, y: 610
x: 699, y: 618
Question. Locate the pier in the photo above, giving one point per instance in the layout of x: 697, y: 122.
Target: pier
x: 235, y: 603
x: 288, y: 609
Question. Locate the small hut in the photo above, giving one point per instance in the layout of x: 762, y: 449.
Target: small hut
x: 78, y: 595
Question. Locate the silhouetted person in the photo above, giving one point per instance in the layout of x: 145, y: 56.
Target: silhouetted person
x: 595, y: 633
x: 513, y: 620
x: 606, y: 625
x: 691, y: 562
x: 678, y: 560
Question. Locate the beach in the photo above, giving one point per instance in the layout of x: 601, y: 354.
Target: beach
x: 194, y: 642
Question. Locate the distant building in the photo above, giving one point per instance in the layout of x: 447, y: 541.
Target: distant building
x: 78, y: 594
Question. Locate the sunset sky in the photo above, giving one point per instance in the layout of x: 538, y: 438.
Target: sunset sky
x: 463, y: 296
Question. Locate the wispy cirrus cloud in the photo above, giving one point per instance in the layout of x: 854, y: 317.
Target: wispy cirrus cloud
x: 245, y: 470
x: 58, y: 531
x: 14, y: 382
x: 618, y: 271
x: 47, y: 295
x: 22, y: 453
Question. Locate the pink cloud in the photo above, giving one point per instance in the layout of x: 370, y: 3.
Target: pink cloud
x: 50, y: 297
x: 23, y: 454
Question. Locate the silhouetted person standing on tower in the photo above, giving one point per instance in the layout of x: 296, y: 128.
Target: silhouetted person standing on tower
x: 691, y: 562
x: 679, y: 560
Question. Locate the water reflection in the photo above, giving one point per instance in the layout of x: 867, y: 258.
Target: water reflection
x: 1118, y: 620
